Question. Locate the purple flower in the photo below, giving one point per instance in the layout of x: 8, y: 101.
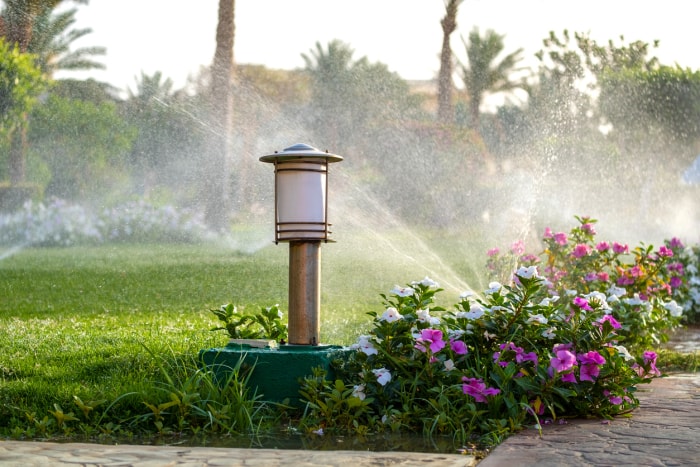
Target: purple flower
x: 569, y: 377
x: 589, y: 372
x: 477, y: 389
x: 431, y: 338
x: 563, y: 360
x: 675, y: 282
x: 526, y: 357
x: 458, y: 347
x: 675, y: 243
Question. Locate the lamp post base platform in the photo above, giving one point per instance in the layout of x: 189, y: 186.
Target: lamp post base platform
x: 276, y: 372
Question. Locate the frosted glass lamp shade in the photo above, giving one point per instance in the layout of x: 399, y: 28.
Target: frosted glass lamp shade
x: 301, y: 188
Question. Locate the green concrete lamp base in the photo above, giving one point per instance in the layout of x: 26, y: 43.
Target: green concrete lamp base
x: 276, y: 371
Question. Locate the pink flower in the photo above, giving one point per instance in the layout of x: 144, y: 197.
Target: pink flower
x: 431, y: 338
x: 458, y: 347
x: 547, y: 233
x: 613, y: 322
x: 563, y: 360
x: 477, y: 389
x: 602, y: 246
x: 581, y: 250
x: 591, y: 358
x: 560, y: 238
x: 492, y: 252
x: 588, y: 228
x: 665, y: 251
x: 518, y: 247
x: 619, y: 249
x: 589, y: 372
x: 582, y: 303
x: 614, y: 400
x: 675, y: 267
x: 603, y: 277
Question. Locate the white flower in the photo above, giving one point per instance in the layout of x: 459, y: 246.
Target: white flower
x: 424, y: 317
x: 527, y: 272
x: 475, y: 312
x: 634, y: 300
x: 427, y: 282
x: 385, y: 419
x: 549, y: 333
x: 449, y: 365
x: 571, y: 292
x: 494, y: 287
x: 674, y: 308
x: 383, y: 375
x: 402, y: 291
x: 390, y: 315
x: 465, y: 295
x: 616, y: 291
x: 549, y: 300
x: 621, y: 350
x: 598, y: 297
x: 364, y: 345
x: 538, y: 318
x: 359, y: 391
x: 318, y: 432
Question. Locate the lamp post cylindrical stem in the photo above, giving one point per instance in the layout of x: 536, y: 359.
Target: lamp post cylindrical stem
x: 304, y: 292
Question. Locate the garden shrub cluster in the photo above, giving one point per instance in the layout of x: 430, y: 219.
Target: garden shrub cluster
x: 61, y: 223
x: 568, y: 333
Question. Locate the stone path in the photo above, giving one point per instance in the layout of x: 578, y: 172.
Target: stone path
x: 664, y: 431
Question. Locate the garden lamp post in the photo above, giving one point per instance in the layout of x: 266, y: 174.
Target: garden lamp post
x: 301, y: 219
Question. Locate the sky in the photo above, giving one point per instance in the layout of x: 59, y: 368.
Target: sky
x: 177, y: 37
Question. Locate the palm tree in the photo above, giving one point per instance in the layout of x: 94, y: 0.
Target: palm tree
x: 445, y: 85
x: 218, y: 198
x: 51, y: 43
x: 483, y: 74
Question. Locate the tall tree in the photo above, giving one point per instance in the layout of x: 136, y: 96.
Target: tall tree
x: 483, y: 74
x: 445, y: 84
x: 217, y: 207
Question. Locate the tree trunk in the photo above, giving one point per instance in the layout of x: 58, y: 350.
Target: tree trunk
x: 218, y: 207
x: 445, y: 85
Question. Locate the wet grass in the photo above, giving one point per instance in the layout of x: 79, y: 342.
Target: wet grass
x: 88, y: 321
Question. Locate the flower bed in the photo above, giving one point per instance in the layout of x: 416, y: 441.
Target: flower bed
x: 568, y: 333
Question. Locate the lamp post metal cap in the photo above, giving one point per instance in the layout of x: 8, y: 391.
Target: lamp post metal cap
x: 301, y: 151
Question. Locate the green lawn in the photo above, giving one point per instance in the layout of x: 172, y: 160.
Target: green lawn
x: 99, y: 322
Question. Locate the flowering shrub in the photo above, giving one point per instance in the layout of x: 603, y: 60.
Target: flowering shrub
x: 532, y: 348
x: 519, y: 354
x: 640, y: 287
x: 688, y: 294
x: 60, y: 223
